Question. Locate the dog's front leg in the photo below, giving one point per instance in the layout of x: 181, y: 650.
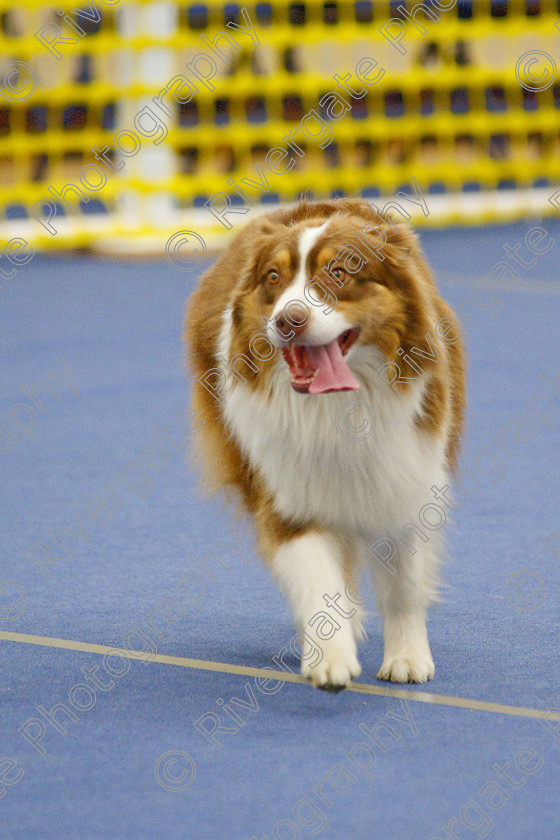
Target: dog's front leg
x: 309, y: 571
x: 404, y: 588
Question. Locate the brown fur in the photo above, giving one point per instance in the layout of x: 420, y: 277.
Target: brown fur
x: 397, y: 302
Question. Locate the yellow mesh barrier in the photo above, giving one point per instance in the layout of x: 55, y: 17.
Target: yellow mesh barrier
x: 118, y: 120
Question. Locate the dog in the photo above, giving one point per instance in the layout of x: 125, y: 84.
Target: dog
x: 311, y: 313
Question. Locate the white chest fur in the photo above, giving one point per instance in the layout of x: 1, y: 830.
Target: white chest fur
x: 318, y: 468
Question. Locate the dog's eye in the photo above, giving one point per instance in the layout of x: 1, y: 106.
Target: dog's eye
x: 339, y: 274
x: 272, y: 276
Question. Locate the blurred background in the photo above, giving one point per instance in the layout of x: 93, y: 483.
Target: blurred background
x: 466, y: 101
x: 144, y: 129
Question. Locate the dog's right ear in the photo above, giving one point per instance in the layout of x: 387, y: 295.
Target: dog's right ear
x: 266, y: 227
x: 255, y: 248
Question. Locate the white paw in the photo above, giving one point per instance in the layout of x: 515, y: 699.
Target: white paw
x: 407, y: 669
x: 337, y: 668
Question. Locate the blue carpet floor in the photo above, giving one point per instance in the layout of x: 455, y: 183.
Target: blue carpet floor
x: 101, y: 528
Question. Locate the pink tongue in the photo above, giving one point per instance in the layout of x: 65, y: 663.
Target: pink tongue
x: 333, y: 374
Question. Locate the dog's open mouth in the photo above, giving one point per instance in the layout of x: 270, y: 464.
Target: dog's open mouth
x: 319, y: 369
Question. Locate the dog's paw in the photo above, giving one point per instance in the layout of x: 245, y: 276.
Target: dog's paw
x: 407, y: 669
x: 335, y: 671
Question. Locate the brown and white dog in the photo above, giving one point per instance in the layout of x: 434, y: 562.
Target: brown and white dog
x: 348, y: 298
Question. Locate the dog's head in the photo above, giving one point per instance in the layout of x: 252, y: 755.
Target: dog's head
x: 323, y: 280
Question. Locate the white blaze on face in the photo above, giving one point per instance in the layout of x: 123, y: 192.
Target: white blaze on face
x: 315, y: 356
x: 320, y: 328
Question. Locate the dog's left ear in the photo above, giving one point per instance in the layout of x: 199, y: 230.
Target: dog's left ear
x: 392, y: 244
x: 402, y: 245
